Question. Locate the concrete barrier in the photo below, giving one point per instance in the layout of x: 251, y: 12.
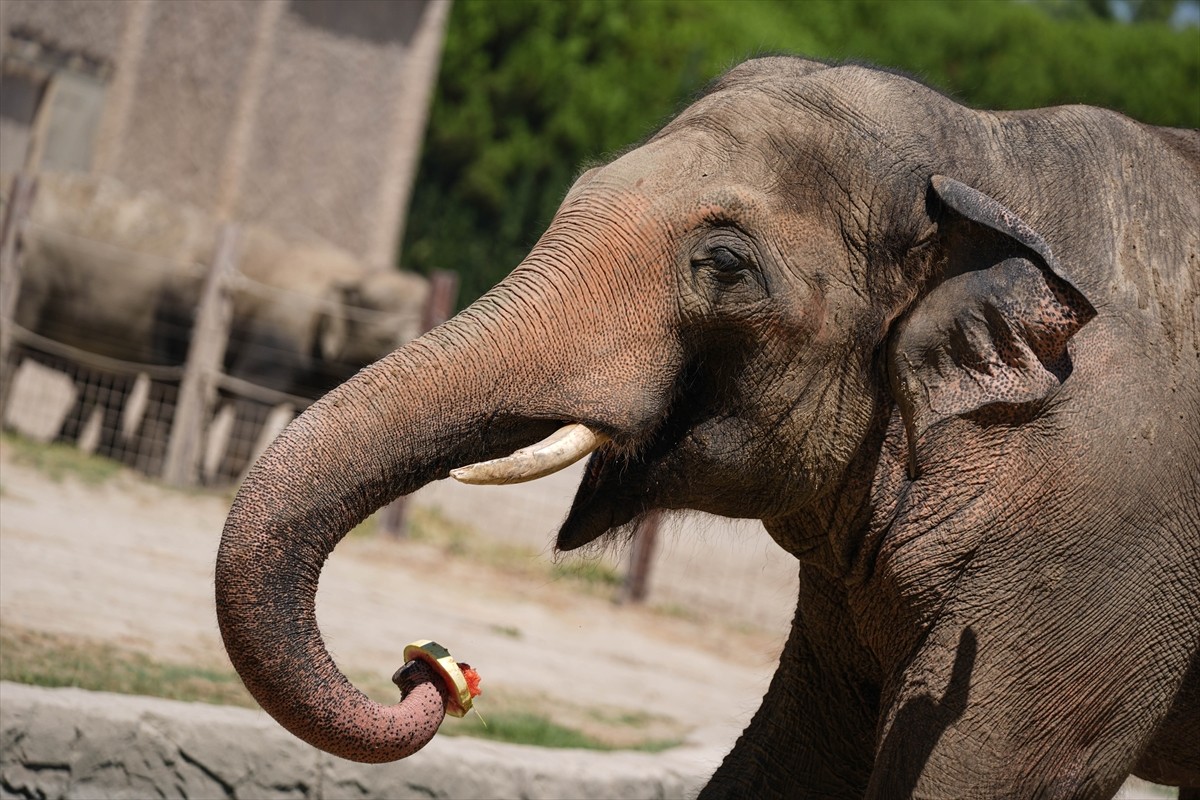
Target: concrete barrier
x: 68, y: 743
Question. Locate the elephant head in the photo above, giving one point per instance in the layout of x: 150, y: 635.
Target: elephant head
x: 762, y: 282
x: 369, y: 315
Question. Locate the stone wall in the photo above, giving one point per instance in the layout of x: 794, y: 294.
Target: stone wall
x: 301, y: 116
x: 57, y: 743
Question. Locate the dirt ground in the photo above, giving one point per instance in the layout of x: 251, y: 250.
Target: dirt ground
x: 129, y: 562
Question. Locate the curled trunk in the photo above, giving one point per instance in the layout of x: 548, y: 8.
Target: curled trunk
x: 475, y: 389
x: 380, y: 435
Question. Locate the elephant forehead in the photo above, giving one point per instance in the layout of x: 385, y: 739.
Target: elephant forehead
x: 686, y: 162
x: 681, y: 181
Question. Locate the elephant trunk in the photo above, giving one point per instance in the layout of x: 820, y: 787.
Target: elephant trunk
x: 497, y: 378
x: 384, y: 433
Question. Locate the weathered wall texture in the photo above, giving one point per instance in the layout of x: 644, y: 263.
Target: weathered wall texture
x: 189, y: 77
x: 76, y: 24
x: 302, y: 115
x: 57, y: 743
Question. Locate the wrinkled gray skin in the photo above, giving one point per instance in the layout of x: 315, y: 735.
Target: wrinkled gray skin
x: 119, y: 273
x: 949, y: 357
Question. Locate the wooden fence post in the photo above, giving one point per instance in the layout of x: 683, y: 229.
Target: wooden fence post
x: 20, y: 203
x: 443, y: 294
x: 641, y: 557
x: 206, y: 353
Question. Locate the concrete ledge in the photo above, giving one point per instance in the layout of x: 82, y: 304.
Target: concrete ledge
x: 68, y: 743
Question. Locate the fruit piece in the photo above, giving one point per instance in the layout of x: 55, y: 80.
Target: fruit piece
x: 460, y: 694
x: 473, y: 679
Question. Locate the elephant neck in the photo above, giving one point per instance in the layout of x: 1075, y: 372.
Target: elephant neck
x: 830, y: 532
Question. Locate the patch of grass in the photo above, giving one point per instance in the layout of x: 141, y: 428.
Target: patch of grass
x: 540, y: 731
x: 510, y: 631
x: 58, y: 460
x: 678, y: 611
x: 45, y: 660
x: 624, y: 717
x: 657, y: 745
x: 430, y: 526
x: 365, y: 529
x: 524, y: 728
x: 586, y: 570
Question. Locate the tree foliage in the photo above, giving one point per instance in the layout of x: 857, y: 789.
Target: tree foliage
x: 1137, y: 10
x: 530, y: 91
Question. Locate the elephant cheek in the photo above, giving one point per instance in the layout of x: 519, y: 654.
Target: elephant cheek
x: 713, y: 469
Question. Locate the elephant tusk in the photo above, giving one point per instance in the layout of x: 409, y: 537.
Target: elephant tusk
x: 560, y: 449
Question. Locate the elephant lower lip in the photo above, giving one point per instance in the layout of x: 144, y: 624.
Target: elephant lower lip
x: 629, y: 476
x: 603, y: 501
x: 588, y: 525
x: 566, y: 543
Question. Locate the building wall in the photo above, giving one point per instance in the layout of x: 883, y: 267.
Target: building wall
x: 193, y: 59
x: 94, y: 27
x: 68, y: 73
x: 304, y: 115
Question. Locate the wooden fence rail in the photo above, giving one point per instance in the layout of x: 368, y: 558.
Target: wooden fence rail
x: 20, y: 201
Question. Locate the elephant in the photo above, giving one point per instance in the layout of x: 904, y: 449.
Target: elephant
x: 96, y: 261
x: 119, y: 273
x: 947, y: 356
x: 306, y: 316
x: 98, y: 257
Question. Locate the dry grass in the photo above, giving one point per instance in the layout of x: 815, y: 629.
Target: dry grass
x: 43, y: 659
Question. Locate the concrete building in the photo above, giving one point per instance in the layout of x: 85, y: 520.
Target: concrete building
x: 303, y: 115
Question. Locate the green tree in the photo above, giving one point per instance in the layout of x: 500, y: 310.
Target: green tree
x: 529, y: 91
x: 1138, y: 10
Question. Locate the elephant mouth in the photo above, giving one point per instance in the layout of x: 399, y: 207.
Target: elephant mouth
x: 624, y: 481
x: 610, y: 496
x: 607, y: 497
x: 628, y: 474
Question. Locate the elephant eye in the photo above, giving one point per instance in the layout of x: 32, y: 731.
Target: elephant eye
x: 728, y: 261
x: 725, y: 260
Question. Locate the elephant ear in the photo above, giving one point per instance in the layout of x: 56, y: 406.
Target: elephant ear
x: 994, y: 330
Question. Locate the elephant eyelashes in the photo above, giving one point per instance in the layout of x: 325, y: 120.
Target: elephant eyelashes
x: 723, y: 263
x: 725, y: 260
